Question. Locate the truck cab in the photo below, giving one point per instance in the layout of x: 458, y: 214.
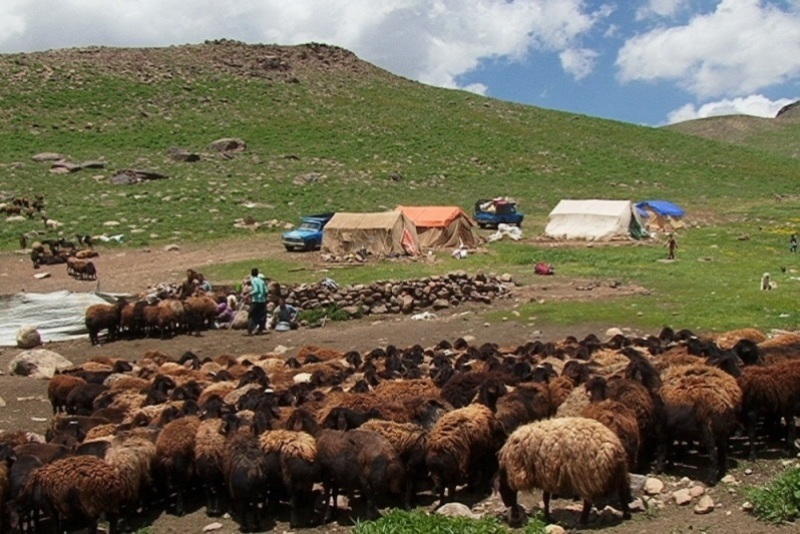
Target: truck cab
x: 491, y: 212
x: 307, y: 236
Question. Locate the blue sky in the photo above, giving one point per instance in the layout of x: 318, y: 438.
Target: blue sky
x: 646, y: 62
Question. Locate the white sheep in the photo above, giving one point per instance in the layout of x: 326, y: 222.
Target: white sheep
x: 567, y: 456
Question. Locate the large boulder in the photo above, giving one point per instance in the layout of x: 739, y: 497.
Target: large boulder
x: 28, y: 337
x: 228, y: 144
x: 38, y: 363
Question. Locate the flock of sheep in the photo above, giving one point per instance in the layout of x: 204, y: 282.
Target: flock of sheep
x: 189, y: 312
x: 264, y: 434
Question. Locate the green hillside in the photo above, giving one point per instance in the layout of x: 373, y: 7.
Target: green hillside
x: 779, y: 135
x: 324, y: 131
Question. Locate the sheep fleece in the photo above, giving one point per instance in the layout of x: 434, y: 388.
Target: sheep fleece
x: 566, y: 456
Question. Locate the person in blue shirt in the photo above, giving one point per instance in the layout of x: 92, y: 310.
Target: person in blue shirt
x: 285, y: 313
x: 257, y: 315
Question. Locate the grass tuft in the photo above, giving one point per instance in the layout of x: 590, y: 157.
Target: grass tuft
x: 779, y: 500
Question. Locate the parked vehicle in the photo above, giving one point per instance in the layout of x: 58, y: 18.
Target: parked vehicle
x: 491, y: 212
x: 307, y: 236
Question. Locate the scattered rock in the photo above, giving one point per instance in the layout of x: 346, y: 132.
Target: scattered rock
x: 47, y: 156
x: 212, y: 526
x: 28, y: 337
x: 180, y: 154
x: 228, y: 144
x: 697, y: 491
x: 441, y: 304
x: 172, y: 248
x: 2, y: 403
x: 38, y: 363
x: 637, y: 505
x: 682, y: 497
x: 729, y: 479
x: 747, y: 506
x: 748, y: 471
x: 554, y: 529
x: 456, y: 509
x: 41, y: 276
x: 653, y: 486
x: 705, y: 505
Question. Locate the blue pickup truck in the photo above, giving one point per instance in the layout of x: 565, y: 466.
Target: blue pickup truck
x: 489, y: 213
x: 307, y: 236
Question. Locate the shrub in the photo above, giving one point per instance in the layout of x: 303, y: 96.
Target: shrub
x: 778, y: 501
x: 333, y: 313
x: 401, y: 521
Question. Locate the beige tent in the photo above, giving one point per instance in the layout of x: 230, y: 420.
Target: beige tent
x: 383, y: 233
x: 441, y: 226
x: 595, y: 220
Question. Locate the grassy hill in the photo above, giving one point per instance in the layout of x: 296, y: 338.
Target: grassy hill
x: 779, y: 135
x: 324, y: 131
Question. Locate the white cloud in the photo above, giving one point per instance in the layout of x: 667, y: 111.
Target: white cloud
x: 578, y: 62
x: 756, y: 105
x: 660, y: 8
x: 433, y: 41
x: 742, y: 47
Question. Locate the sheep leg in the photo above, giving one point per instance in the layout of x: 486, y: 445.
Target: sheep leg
x: 791, y: 432
x: 509, y: 496
x: 587, y: 508
x: 546, y: 500
x: 625, y: 499
x: 750, y: 421
x: 331, y: 491
x: 710, y: 444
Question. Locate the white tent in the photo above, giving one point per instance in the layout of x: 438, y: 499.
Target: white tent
x: 594, y: 220
x: 58, y: 316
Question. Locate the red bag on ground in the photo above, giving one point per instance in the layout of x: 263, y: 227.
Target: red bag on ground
x: 543, y: 268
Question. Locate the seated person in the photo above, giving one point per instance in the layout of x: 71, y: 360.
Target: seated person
x: 284, y: 313
x: 225, y: 312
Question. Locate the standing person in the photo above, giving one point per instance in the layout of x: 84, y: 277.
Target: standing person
x: 793, y: 243
x: 257, y: 316
x: 672, y: 245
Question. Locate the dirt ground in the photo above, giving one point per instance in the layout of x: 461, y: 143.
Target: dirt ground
x: 131, y: 270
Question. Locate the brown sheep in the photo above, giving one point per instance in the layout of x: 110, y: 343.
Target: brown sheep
x: 103, y: 316
x: 773, y: 391
x: 299, y: 469
x: 58, y: 389
x: 702, y: 403
x: 199, y: 312
x: 464, y: 442
x: 783, y: 347
x: 615, y: 415
x: 75, y: 488
x: 175, y: 456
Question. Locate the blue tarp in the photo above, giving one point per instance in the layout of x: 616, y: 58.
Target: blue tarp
x: 661, y: 207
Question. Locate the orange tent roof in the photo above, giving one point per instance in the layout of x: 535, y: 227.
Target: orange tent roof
x: 433, y: 216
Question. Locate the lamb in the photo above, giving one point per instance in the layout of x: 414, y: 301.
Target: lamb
x: 103, y: 316
x: 464, y: 442
x: 78, y: 488
x: 355, y: 459
x: 570, y: 456
x: 772, y: 390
